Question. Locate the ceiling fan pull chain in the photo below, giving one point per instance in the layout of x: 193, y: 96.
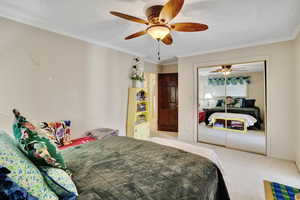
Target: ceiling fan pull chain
x: 158, y: 49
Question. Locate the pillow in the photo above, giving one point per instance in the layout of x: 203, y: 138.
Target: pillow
x: 23, y: 171
x: 230, y: 101
x: 101, y: 133
x: 61, y: 131
x: 239, y: 102
x: 220, y: 103
x: 60, y: 182
x: 10, y: 190
x: 39, y: 149
x: 250, y: 103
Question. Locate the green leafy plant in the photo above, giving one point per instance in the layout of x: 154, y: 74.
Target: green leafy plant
x: 137, y: 75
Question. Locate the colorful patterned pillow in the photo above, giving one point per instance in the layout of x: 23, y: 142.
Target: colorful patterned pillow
x: 61, y: 131
x: 23, y: 171
x: 10, y: 190
x: 38, y: 148
x: 59, y: 181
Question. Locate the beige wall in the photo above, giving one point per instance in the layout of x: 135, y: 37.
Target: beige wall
x: 297, y: 92
x: 51, y: 77
x: 151, y: 85
x: 281, y: 93
x: 172, y: 68
x: 151, y: 67
x: 256, y: 90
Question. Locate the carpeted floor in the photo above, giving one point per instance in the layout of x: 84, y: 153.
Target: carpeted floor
x: 245, y: 172
x: 252, y: 141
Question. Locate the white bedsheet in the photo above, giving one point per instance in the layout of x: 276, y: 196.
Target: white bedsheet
x: 191, y: 148
x: 250, y: 121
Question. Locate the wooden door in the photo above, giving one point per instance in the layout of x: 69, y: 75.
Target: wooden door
x: 168, y: 102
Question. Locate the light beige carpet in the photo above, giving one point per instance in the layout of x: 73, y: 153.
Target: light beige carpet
x: 245, y: 172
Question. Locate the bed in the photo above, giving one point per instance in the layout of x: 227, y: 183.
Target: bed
x: 254, y: 112
x: 122, y: 168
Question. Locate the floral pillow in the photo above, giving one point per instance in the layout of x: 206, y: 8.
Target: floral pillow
x: 38, y: 148
x: 23, y: 171
x: 10, y: 190
x: 60, y: 131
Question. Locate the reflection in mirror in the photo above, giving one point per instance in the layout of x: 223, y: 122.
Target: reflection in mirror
x: 231, y: 106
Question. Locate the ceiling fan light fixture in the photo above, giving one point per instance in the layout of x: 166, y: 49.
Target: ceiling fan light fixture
x: 158, y: 32
x: 226, y: 73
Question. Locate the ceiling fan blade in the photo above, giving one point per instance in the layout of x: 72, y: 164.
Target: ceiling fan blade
x: 168, y: 40
x: 189, y: 27
x: 138, y: 34
x: 170, y: 10
x: 129, y: 17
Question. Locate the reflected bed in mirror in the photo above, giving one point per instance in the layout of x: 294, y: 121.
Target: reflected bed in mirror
x: 231, y: 106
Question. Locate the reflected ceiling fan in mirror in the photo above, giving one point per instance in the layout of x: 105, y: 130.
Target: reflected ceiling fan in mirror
x: 227, y: 69
x: 159, y: 18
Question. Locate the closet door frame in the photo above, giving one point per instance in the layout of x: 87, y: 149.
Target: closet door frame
x: 230, y: 62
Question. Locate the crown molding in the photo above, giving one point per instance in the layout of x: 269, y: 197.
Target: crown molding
x: 41, y: 26
x: 234, y: 47
x: 150, y: 61
x: 170, y: 61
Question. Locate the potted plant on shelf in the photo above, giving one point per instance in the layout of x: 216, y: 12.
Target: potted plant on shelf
x: 137, y: 75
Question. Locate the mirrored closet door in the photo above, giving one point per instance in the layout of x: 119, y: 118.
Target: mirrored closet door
x: 232, y: 106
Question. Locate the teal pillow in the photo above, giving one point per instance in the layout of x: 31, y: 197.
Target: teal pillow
x: 23, y: 171
x: 59, y: 181
x: 239, y: 102
x: 220, y: 103
x: 38, y: 148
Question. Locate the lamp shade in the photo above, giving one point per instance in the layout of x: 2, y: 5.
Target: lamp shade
x: 208, y: 96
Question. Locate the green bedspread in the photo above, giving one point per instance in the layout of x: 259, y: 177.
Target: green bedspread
x: 121, y: 168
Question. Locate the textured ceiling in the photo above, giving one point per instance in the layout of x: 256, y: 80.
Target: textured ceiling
x: 232, y: 23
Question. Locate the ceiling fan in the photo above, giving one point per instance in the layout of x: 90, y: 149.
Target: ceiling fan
x: 227, y: 69
x: 159, y: 17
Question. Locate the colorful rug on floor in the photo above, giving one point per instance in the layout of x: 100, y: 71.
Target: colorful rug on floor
x: 277, y: 191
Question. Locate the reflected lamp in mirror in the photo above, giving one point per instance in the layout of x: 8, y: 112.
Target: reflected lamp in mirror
x: 208, y: 97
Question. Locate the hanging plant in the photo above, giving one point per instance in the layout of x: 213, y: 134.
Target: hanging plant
x: 137, y: 74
